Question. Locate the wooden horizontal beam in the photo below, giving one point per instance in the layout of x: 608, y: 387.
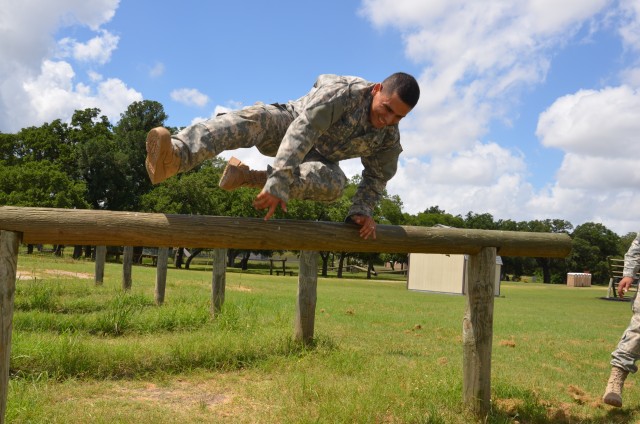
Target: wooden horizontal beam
x: 110, y: 228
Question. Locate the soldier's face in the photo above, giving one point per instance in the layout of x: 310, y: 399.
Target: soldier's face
x: 386, y: 109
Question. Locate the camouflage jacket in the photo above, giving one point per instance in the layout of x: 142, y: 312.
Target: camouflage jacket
x: 632, y: 258
x: 333, y: 119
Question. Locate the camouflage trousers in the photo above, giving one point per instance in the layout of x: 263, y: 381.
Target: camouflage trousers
x: 628, y: 350
x: 261, y: 126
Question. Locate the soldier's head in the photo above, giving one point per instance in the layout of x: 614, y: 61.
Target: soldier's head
x: 393, y: 99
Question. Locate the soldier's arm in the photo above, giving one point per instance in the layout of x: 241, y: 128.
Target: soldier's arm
x: 632, y: 258
x: 631, y: 264
x: 378, y: 170
x: 325, y: 109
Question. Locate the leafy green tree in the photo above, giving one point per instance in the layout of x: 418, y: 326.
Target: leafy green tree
x: 553, y: 270
x: 97, y: 161
x: 592, y: 244
x: 624, y: 243
x: 47, y: 142
x: 130, y: 135
x: 8, y: 149
x: 434, y: 216
x: 191, y: 193
x: 40, y: 184
x: 482, y: 221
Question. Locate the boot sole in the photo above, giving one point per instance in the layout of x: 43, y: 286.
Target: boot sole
x: 232, y: 163
x: 158, y: 146
x: 613, y: 400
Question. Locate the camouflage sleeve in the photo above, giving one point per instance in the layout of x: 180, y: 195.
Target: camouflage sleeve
x: 378, y: 169
x: 324, y: 108
x: 632, y: 258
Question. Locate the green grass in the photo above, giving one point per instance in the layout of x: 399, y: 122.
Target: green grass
x: 92, y: 354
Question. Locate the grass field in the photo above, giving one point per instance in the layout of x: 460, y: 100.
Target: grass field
x: 93, y: 354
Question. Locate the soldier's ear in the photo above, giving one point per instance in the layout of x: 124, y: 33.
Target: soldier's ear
x: 376, y: 88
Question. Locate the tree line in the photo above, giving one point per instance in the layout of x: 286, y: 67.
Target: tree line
x: 90, y: 163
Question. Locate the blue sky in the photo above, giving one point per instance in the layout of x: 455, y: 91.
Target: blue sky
x: 530, y: 109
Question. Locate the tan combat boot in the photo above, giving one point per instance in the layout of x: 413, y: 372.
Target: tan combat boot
x: 613, y: 393
x: 163, y: 160
x: 237, y: 174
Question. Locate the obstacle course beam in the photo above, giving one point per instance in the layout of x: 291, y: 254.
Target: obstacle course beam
x: 100, y: 227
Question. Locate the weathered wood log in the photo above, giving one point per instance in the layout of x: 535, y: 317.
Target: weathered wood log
x: 101, y: 258
x: 73, y: 226
x: 218, y: 281
x: 161, y: 274
x: 307, y: 296
x: 477, y: 331
x: 127, y: 265
x: 9, y: 243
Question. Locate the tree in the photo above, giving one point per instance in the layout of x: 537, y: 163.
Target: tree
x: 8, y: 149
x: 40, y: 184
x: 130, y: 140
x: 48, y: 142
x: 433, y: 216
x: 549, y: 266
x: 592, y: 244
x: 482, y: 221
x: 624, y: 243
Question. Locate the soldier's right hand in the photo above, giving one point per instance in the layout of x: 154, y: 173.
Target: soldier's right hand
x: 623, y: 285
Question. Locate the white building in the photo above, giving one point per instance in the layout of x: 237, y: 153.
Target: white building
x: 443, y: 273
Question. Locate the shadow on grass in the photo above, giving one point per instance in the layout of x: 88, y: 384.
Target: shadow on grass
x: 525, y: 407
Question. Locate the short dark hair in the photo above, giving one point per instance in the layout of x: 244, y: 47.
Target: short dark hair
x: 404, y: 85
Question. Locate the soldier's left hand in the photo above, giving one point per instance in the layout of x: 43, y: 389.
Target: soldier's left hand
x: 266, y: 200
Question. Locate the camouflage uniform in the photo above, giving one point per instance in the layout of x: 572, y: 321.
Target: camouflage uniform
x: 307, y: 137
x: 628, y: 350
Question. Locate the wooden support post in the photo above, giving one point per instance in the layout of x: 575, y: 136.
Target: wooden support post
x: 101, y: 258
x: 477, y: 331
x: 218, y: 281
x: 9, y: 243
x: 161, y: 274
x: 307, y: 295
x: 127, y: 264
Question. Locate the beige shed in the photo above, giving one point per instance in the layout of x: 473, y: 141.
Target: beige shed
x: 438, y: 273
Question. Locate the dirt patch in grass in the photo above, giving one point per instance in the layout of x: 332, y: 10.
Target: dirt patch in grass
x: 508, y: 343
x: 179, y: 395
x: 57, y: 273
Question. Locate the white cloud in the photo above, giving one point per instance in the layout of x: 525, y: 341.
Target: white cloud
x: 600, y: 123
x: 52, y: 94
x: 598, y: 178
x: 157, y: 70
x: 34, y: 87
x: 631, y: 76
x: 630, y: 29
x: 189, y: 97
x: 479, y: 59
x: 98, y: 49
x: 484, y: 178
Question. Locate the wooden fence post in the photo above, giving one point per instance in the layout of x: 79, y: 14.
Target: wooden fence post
x: 9, y: 243
x: 161, y: 274
x: 127, y: 264
x: 477, y: 331
x: 307, y: 295
x: 101, y: 258
x: 219, y: 280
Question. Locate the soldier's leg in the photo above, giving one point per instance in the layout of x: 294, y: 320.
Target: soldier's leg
x: 262, y: 126
x: 627, y: 352
x: 318, y: 180
x: 624, y: 358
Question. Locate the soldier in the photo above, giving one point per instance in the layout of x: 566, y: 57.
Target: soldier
x: 623, y: 359
x: 341, y: 117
